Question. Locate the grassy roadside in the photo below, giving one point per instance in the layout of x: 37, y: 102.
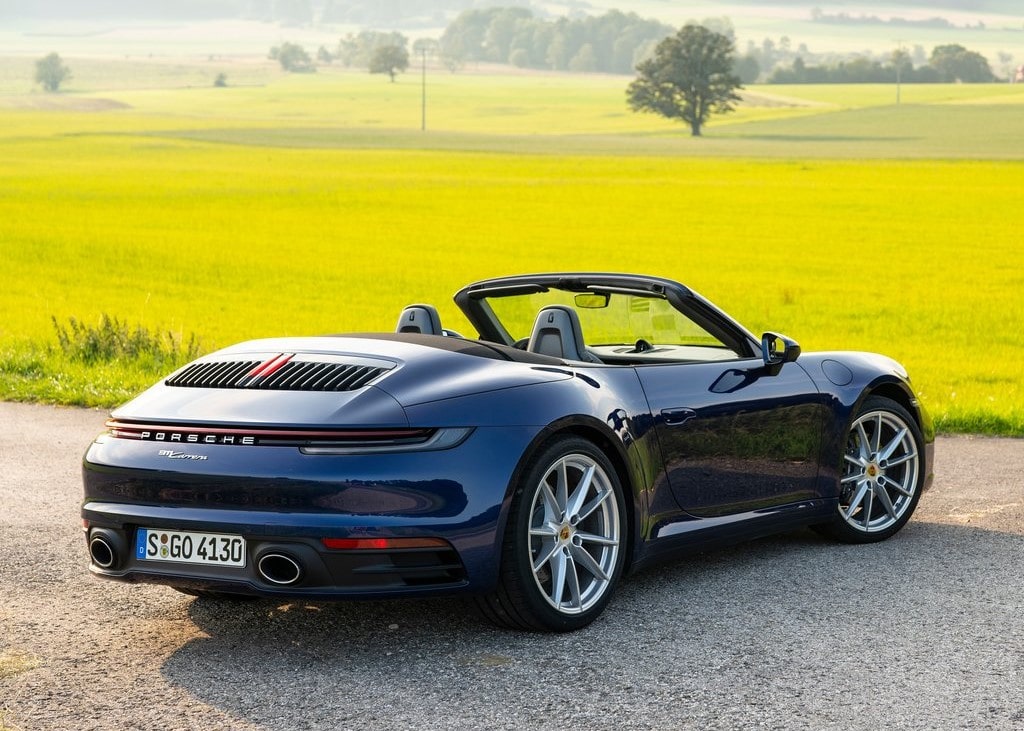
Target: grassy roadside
x: 100, y: 365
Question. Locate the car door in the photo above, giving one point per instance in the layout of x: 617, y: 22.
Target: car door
x: 736, y: 436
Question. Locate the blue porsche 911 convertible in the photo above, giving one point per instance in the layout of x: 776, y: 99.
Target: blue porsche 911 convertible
x: 595, y: 424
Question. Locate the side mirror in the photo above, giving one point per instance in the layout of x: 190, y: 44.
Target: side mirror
x: 777, y: 350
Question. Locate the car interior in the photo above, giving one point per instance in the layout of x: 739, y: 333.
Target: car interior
x: 557, y: 333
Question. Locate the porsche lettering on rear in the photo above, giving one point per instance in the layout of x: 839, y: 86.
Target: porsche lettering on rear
x: 192, y: 438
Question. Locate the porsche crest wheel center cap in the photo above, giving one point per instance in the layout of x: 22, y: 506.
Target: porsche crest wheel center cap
x: 565, y: 533
x: 873, y: 471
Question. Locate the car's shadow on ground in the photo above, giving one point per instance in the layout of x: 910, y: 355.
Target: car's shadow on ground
x: 722, y: 628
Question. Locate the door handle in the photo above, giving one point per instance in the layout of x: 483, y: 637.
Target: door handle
x: 677, y: 417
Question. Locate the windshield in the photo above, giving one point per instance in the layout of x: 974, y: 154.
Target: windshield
x: 606, y: 318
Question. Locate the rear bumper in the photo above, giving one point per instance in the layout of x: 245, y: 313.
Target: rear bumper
x: 283, y: 502
x: 319, y: 572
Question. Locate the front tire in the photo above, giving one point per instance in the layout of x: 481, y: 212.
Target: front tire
x: 565, y: 542
x: 882, y: 473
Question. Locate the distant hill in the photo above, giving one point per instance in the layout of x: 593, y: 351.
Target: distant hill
x: 1003, y: 7
x: 124, y: 9
x: 395, y: 11
x: 368, y: 11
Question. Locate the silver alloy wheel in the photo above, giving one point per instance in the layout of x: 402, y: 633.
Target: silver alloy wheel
x: 880, y: 471
x: 574, y: 533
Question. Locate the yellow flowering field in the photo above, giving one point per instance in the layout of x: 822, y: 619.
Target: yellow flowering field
x: 271, y: 214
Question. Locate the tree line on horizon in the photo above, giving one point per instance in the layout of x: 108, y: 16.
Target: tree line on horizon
x: 618, y: 42
x: 948, y: 63
x: 615, y: 42
x: 611, y: 43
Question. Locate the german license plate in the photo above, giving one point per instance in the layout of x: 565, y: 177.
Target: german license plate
x: 152, y: 544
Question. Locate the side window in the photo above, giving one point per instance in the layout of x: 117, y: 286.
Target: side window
x: 662, y: 324
x: 636, y: 330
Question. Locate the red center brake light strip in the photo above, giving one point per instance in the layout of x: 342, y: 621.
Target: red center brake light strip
x: 269, y: 367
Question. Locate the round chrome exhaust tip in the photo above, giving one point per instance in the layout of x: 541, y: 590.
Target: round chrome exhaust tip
x: 102, y: 552
x: 279, y: 569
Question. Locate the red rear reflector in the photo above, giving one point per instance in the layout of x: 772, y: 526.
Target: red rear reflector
x: 353, y: 544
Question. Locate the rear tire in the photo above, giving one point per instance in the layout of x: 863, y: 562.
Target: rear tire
x: 882, y: 474
x: 565, y: 542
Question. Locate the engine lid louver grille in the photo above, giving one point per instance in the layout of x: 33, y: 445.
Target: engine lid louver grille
x: 282, y: 372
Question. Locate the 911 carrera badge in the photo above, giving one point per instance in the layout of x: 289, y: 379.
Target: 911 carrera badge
x: 172, y: 454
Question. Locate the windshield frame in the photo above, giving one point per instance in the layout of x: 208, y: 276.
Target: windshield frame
x: 474, y: 301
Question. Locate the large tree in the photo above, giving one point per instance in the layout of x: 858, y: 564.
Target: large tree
x: 358, y: 50
x: 690, y: 77
x: 389, y: 60
x: 51, y: 72
x: 955, y: 63
x: 293, y: 58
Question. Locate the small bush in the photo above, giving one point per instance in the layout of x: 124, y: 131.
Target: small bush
x: 115, y: 340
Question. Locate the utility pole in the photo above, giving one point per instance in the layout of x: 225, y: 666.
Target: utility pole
x: 423, y: 110
x: 898, y: 62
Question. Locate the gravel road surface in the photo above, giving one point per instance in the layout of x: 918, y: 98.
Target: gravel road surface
x: 925, y: 631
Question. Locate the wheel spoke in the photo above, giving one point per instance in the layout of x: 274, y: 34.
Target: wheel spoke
x: 584, y: 559
x: 892, y: 445
x: 883, y: 497
x: 886, y: 482
x: 547, y: 551
x: 573, y: 579
x: 599, y: 540
x: 558, y: 571
x: 900, y: 460
x: 869, y: 508
x: 562, y: 488
x: 852, y: 478
x: 878, y: 433
x: 552, y: 513
x: 593, y: 505
x: 862, y: 490
x: 865, y: 443
x: 855, y: 461
x: 544, y: 531
x: 572, y: 507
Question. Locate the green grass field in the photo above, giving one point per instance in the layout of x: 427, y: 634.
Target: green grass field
x: 314, y: 204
